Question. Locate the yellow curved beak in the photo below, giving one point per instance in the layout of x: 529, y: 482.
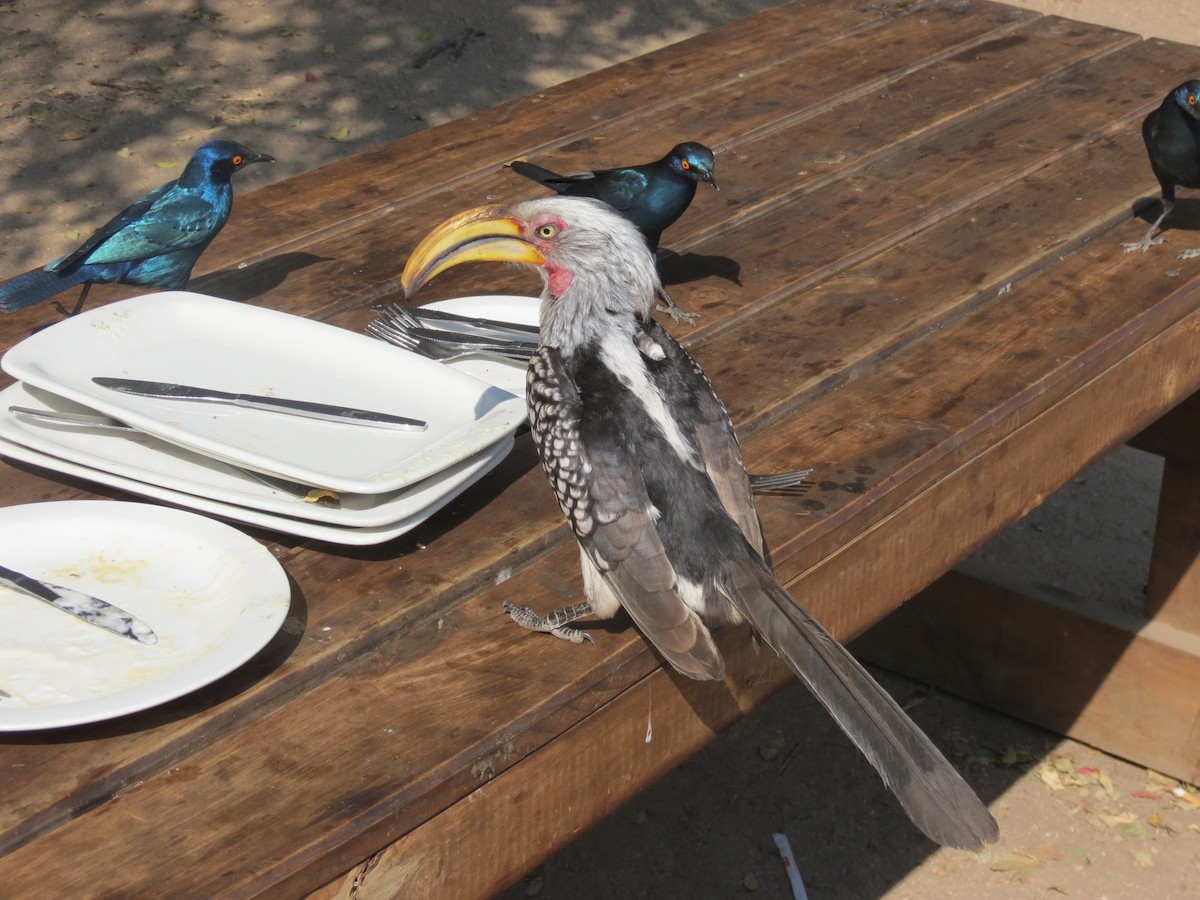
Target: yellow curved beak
x: 486, y: 234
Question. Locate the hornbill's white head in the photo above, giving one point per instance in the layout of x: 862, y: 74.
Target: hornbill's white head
x: 596, y: 269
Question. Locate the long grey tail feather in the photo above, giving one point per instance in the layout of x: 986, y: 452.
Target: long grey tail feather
x: 550, y: 179
x: 934, y: 795
x: 34, y: 287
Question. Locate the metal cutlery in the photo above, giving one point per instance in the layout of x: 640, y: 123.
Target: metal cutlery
x: 83, y: 606
x: 422, y: 314
x: 447, y: 347
x: 306, y: 408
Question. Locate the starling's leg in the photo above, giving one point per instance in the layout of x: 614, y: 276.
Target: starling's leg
x: 555, y: 623
x: 1194, y: 253
x: 87, y: 286
x: 671, y: 308
x: 1146, y: 243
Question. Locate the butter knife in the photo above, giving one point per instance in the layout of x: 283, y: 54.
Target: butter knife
x: 308, y: 409
x: 91, y: 609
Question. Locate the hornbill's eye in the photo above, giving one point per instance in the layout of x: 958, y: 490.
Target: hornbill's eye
x: 546, y: 231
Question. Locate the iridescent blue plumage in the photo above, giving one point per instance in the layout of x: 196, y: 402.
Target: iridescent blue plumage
x: 154, y: 241
x: 1172, y: 136
x: 652, y: 196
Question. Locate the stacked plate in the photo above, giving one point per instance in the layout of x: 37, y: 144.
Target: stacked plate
x: 335, y: 480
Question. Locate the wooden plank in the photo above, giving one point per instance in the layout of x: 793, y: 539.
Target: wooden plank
x: 915, y: 105
x: 545, y: 800
x: 1176, y: 435
x: 391, y: 588
x: 360, y: 635
x: 421, y: 651
x: 1123, y: 684
x: 341, y: 195
x: 1173, y: 589
x: 480, y: 649
x: 855, y: 553
x: 938, y: 33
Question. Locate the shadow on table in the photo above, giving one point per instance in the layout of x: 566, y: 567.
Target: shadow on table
x: 254, y: 280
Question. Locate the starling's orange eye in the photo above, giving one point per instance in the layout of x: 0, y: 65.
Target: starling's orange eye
x: 1191, y: 99
x: 546, y: 231
x: 237, y: 160
x: 685, y: 164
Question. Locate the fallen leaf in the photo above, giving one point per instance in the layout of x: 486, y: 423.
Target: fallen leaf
x: 164, y: 165
x: 310, y: 76
x: 1112, y: 821
x: 1020, y: 864
x: 1142, y: 857
x: 1146, y: 794
x: 1047, y: 852
x: 340, y: 135
x: 125, y: 152
x: 75, y: 235
x: 1159, y: 778
x: 76, y: 134
x: 1107, y: 783
x: 1051, y: 778
x: 1063, y: 764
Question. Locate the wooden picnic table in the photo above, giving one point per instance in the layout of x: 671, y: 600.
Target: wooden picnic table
x: 911, y: 279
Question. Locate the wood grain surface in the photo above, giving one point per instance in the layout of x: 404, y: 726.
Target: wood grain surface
x: 911, y: 279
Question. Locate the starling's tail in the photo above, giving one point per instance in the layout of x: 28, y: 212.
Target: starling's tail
x: 34, y: 287
x: 933, y: 794
x: 552, y: 180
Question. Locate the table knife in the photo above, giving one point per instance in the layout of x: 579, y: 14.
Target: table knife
x: 91, y: 609
x: 308, y: 409
x: 441, y: 315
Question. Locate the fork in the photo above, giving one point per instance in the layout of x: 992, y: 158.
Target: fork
x: 446, y: 349
x: 422, y: 316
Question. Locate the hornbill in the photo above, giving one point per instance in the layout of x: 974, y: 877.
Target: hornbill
x: 643, y: 458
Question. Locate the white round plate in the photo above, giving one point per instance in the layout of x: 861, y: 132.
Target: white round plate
x: 213, y: 596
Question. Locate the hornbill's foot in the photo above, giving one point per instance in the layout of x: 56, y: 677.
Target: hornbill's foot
x: 555, y: 623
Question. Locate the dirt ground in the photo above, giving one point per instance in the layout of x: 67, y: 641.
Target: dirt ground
x: 104, y: 100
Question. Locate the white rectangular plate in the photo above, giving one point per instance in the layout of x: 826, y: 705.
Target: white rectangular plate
x: 141, y: 457
x: 194, y: 339
x: 462, y: 475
